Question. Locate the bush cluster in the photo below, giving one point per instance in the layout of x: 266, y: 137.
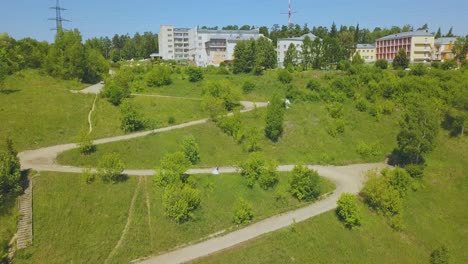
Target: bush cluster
x: 348, y: 210
x: 305, y: 183
x: 257, y: 168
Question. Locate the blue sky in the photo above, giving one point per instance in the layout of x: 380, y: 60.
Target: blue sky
x: 28, y: 18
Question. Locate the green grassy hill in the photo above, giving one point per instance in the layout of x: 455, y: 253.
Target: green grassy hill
x: 434, y: 215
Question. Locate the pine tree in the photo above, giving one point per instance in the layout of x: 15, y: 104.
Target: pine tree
x: 401, y: 61
x: 438, y: 34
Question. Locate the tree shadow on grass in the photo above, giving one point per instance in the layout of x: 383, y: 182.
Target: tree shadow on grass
x: 9, y: 91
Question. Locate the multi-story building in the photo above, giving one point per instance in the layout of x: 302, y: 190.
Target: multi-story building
x: 418, y: 45
x: 283, y: 45
x: 443, y: 49
x: 367, y: 52
x: 202, y: 46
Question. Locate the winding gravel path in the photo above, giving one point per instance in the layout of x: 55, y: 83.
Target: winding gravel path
x: 347, y: 179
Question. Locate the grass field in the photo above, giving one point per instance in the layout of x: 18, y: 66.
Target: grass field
x: 8, y: 220
x: 305, y: 139
x: 38, y: 110
x: 77, y: 222
x: 156, y: 110
x: 435, y: 215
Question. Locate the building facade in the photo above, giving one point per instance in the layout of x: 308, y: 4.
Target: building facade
x: 419, y: 46
x: 283, y: 45
x: 367, y: 52
x: 443, y: 49
x: 201, y: 46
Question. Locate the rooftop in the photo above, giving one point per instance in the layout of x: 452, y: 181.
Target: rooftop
x: 221, y: 31
x: 301, y: 38
x: 445, y: 40
x: 365, y: 46
x: 419, y: 33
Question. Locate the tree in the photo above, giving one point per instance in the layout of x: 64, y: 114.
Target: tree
x: 305, y: 183
x: 223, y: 91
x: 130, y: 119
x: 191, y: 150
x: 274, y: 118
x: 252, y: 168
x: 438, y: 34
x: 158, y: 76
x: 450, y: 34
x: 460, y: 48
x: 419, y: 129
x: 291, y: 58
x: 85, y: 143
x: 269, y: 175
x: 115, y: 93
x: 252, y: 139
x: 348, y: 210
x: 195, y: 74
x: 357, y: 59
x: 243, y: 212
x: 401, y: 61
x: 307, y: 53
x: 244, y: 56
x: 10, y: 172
x: 265, y: 55
x: 110, y: 168
x: 180, y: 200
x: 96, y: 66
x: 382, y: 64
x: 171, y: 169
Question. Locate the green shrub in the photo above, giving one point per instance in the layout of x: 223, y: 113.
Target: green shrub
x: 248, y: 86
x: 436, y: 64
x: 110, y: 168
x: 336, y: 127
x: 398, y: 179
x: 88, y: 175
x: 130, y: 119
x: 179, y: 202
x: 305, y: 183
x: 252, y: 168
x: 369, y: 150
x: 335, y: 110
x: 269, y: 175
x: 285, y: 76
x: 415, y: 170
x: 85, y: 143
x: 440, y: 255
x: 348, y: 210
x: 449, y: 65
x: 171, y: 169
x: 195, y: 74
x: 158, y: 76
x: 314, y: 85
x: 224, y: 92
x: 171, y: 120
x: 274, y: 118
x: 379, y: 196
x: 243, y: 212
x: 114, y: 93
x: 362, y: 105
x: 252, y: 139
x: 10, y: 172
x: 382, y: 64
x: 191, y: 149
x: 418, y: 69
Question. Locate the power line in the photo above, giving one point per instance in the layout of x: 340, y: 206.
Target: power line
x: 58, y: 16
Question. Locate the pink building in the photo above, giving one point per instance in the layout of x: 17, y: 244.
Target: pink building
x: 417, y: 44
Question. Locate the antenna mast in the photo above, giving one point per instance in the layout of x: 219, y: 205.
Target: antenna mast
x: 289, y: 13
x: 58, y: 16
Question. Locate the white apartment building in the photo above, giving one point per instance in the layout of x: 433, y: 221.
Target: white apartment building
x: 202, y: 46
x: 419, y: 46
x: 283, y: 45
x: 366, y: 51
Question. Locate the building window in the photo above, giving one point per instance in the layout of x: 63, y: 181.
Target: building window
x: 169, y: 35
x: 170, y: 46
x: 169, y: 29
x: 169, y: 40
x: 284, y: 46
x: 199, y: 38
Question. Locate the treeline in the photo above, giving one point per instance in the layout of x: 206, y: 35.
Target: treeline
x: 16, y: 55
x: 124, y: 47
x: 66, y: 58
